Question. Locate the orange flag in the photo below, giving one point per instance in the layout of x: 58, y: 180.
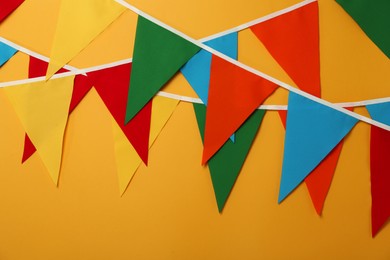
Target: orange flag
x: 293, y: 41
x: 234, y: 94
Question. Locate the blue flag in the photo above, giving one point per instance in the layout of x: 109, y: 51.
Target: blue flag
x: 6, y: 53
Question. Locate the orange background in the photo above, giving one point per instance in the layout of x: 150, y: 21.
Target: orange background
x: 169, y: 210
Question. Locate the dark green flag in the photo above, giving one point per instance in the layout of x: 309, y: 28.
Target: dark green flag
x: 226, y: 164
x: 158, y: 55
x: 373, y: 16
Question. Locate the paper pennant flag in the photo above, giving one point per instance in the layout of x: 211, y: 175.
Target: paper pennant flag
x: 226, y: 164
x: 7, y: 7
x: 6, y: 53
x: 380, y: 167
x: 43, y: 110
x: 197, y: 69
x: 79, y: 23
x: 313, y: 130
x: 373, y: 17
x: 127, y: 159
x: 319, y: 180
x: 293, y: 40
x: 112, y: 84
x: 81, y: 86
x: 233, y: 96
x: 158, y: 55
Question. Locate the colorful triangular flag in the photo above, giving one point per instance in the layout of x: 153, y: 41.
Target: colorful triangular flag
x: 197, y: 69
x: 380, y: 167
x: 319, y: 180
x: 112, y: 84
x: 313, y: 130
x: 7, y: 7
x: 293, y: 40
x: 127, y: 159
x: 234, y: 94
x: 373, y: 17
x: 6, y: 53
x: 43, y: 110
x: 226, y: 164
x: 158, y: 55
x: 79, y: 23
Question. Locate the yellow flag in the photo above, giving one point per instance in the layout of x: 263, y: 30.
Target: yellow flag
x: 79, y: 22
x: 43, y: 107
x: 127, y: 158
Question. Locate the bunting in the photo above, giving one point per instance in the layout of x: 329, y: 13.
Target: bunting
x: 226, y: 164
x: 312, y: 132
x: 42, y: 108
x: 380, y: 167
x: 158, y: 55
x: 233, y: 96
x: 7, y: 7
x: 79, y: 23
x: 293, y: 40
x: 373, y: 17
x: 6, y: 53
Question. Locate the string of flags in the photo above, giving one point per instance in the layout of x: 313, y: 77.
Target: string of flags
x: 230, y: 91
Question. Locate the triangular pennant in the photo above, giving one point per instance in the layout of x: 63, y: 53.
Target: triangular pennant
x: 380, y: 178
x: 233, y: 96
x: 158, y: 55
x: 380, y: 167
x: 226, y: 164
x: 79, y: 23
x: 127, y: 159
x: 7, y: 7
x: 6, y: 53
x: 319, y: 180
x: 112, y: 84
x: 197, y: 69
x: 81, y: 86
x: 373, y: 17
x: 313, y: 130
x: 43, y: 110
x: 293, y: 40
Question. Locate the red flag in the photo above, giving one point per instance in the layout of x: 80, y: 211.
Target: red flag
x: 112, y: 84
x: 234, y: 94
x: 29, y: 148
x: 7, y: 7
x: 293, y: 41
x: 380, y: 178
x: 319, y: 180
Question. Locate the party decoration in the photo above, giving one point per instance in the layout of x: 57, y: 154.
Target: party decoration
x: 6, y: 53
x: 158, y: 55
x: 312, y: 132
x: 42, y: 108
x: 319, y: 180
x: 233, y: 95
x: 112, y: 84
x: 7, y: 7
x: 127, y: 159
x: 226, y: 164
x: 293, y: 41
x: 79, y: 22
x: 197, y: 69
x: 380, y: 167
x: 373, y: 17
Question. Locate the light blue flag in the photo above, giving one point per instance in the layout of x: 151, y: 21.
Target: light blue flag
x: 197, y: 69
x: 380, y: 112
x: 312, y: 131
x: 6, y: 53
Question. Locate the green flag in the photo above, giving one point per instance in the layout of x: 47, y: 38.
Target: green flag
x: 373, y: 16
x: 226, y: 164
x: 158, y: 55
